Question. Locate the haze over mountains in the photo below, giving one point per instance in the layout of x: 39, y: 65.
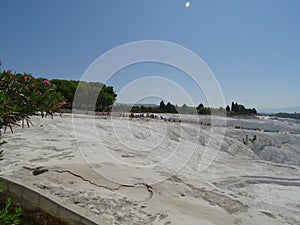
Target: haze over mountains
x: 291, y: 109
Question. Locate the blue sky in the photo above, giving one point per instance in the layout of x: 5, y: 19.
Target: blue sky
x: 253, y: 47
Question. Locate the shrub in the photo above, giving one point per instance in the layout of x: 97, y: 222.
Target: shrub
x: 10, y: 215
x: 22, y: 96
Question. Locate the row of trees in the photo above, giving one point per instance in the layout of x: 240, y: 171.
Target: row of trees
x: 235, y: 109
x: 162, y: 108
x: 238, y: 109
x: 170, y: 108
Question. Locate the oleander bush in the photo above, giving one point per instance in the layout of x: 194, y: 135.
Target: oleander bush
x: 22, y: 96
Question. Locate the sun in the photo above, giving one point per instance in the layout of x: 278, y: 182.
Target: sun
x: 187, y: 4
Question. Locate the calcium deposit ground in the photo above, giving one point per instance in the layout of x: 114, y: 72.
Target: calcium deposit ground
x: 148, y: 171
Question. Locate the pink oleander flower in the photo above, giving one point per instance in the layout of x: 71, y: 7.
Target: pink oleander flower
x: 9, y: 71
x: 41, y: 93
x: 63, y: 102
x: 26, y: 78
x: 47, y: 82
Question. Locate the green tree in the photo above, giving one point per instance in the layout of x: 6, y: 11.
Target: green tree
x: 135, y: 109
x: 241, y: 109
x: 143, y: 108
x: 67, y: 89
x: 203, y: 110
x: 162, y: 106
x: 94, y: 96
x: 228, y: 108
x: 170, y: 108
x: 106, y: 98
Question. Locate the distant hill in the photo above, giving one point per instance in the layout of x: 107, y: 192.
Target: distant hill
x: 146, y: 105
x: 292, y: 109
x: 139, y: 104
x: 288, y: 115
